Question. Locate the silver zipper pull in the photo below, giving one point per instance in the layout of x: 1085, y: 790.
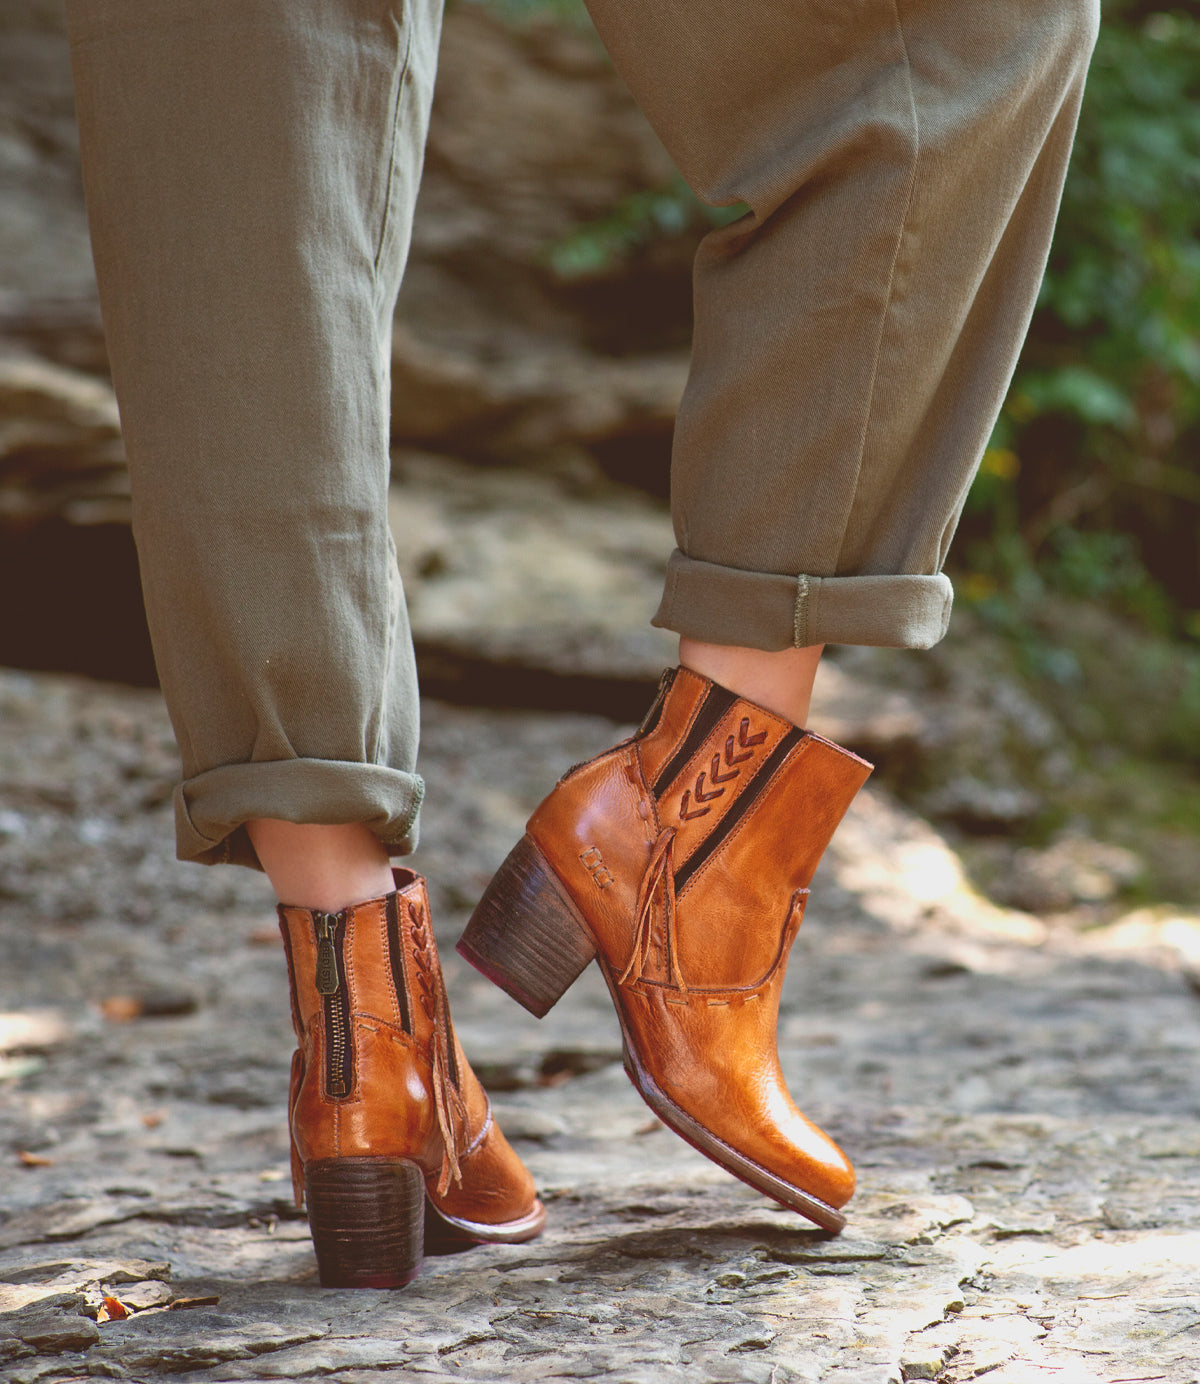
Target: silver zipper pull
x: 327, y: 971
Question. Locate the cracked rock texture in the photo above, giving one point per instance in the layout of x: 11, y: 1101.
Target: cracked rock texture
x: 1019, y: 1097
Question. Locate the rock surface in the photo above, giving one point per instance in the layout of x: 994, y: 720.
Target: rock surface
x: 1019, y: 1098
x: 495, y: 354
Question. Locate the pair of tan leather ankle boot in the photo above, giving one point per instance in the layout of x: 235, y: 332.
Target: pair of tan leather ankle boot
x: 680, y: 861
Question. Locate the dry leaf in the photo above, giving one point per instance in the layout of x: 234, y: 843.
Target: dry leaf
x: 555, y: 1078
x: 120, y: 1009
x: 194, y: 1302
x: 153, y: 1118
x: 112, y: 1310
x: 35, y: 1160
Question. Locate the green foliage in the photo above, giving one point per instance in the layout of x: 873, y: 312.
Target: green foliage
x: 519, y: 12
x: 637, y: 221
x: 1111, y: 681
x: 1091, y: 484
x: 1124, y: 278
x: 1103, y: 421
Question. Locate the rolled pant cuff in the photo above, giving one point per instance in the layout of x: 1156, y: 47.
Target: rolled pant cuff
x: 764, y: 610
x: 212, y: 807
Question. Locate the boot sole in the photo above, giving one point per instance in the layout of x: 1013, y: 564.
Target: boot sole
x: 527, y: 936
x: 445, y: 1234
x: 704, y: 1141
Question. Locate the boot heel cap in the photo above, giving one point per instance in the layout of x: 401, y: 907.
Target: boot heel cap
x: 367, y: 1217
x: 525, y: 934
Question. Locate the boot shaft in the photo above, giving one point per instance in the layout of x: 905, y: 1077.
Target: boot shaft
x: 388, y: 1124
x: 379, y: 1070
x: 375, y: 959
x: 705, y: 828
x: 713, y: 760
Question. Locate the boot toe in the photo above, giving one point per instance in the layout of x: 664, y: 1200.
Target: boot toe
x: 496, y: 1199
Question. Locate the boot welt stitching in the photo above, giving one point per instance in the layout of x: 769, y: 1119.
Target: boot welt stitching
x: 711, y: 993
x: 369, y: 1022
x: 484, y: 1131
x: 736, y: 1159
x: 654, y: 1095
x: 737, y: 1162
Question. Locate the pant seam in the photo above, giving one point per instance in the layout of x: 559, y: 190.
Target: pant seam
x: 410, y: 821
x: 388, y: 218
x: 800, y: 614
x: 891, y: 281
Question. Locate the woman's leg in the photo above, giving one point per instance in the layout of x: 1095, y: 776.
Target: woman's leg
x: 251, y: 168
x: 330, y: 868
x: 855, y: 333
x: 781, y: 681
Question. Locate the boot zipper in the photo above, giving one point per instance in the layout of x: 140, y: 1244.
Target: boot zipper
x: 331, y: 983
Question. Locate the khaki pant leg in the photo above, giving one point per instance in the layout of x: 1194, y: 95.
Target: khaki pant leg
x: 856, y: 332
x: 250, y: 169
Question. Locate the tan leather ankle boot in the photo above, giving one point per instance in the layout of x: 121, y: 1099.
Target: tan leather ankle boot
x: 389, y: 1125
x: 681, y: 860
